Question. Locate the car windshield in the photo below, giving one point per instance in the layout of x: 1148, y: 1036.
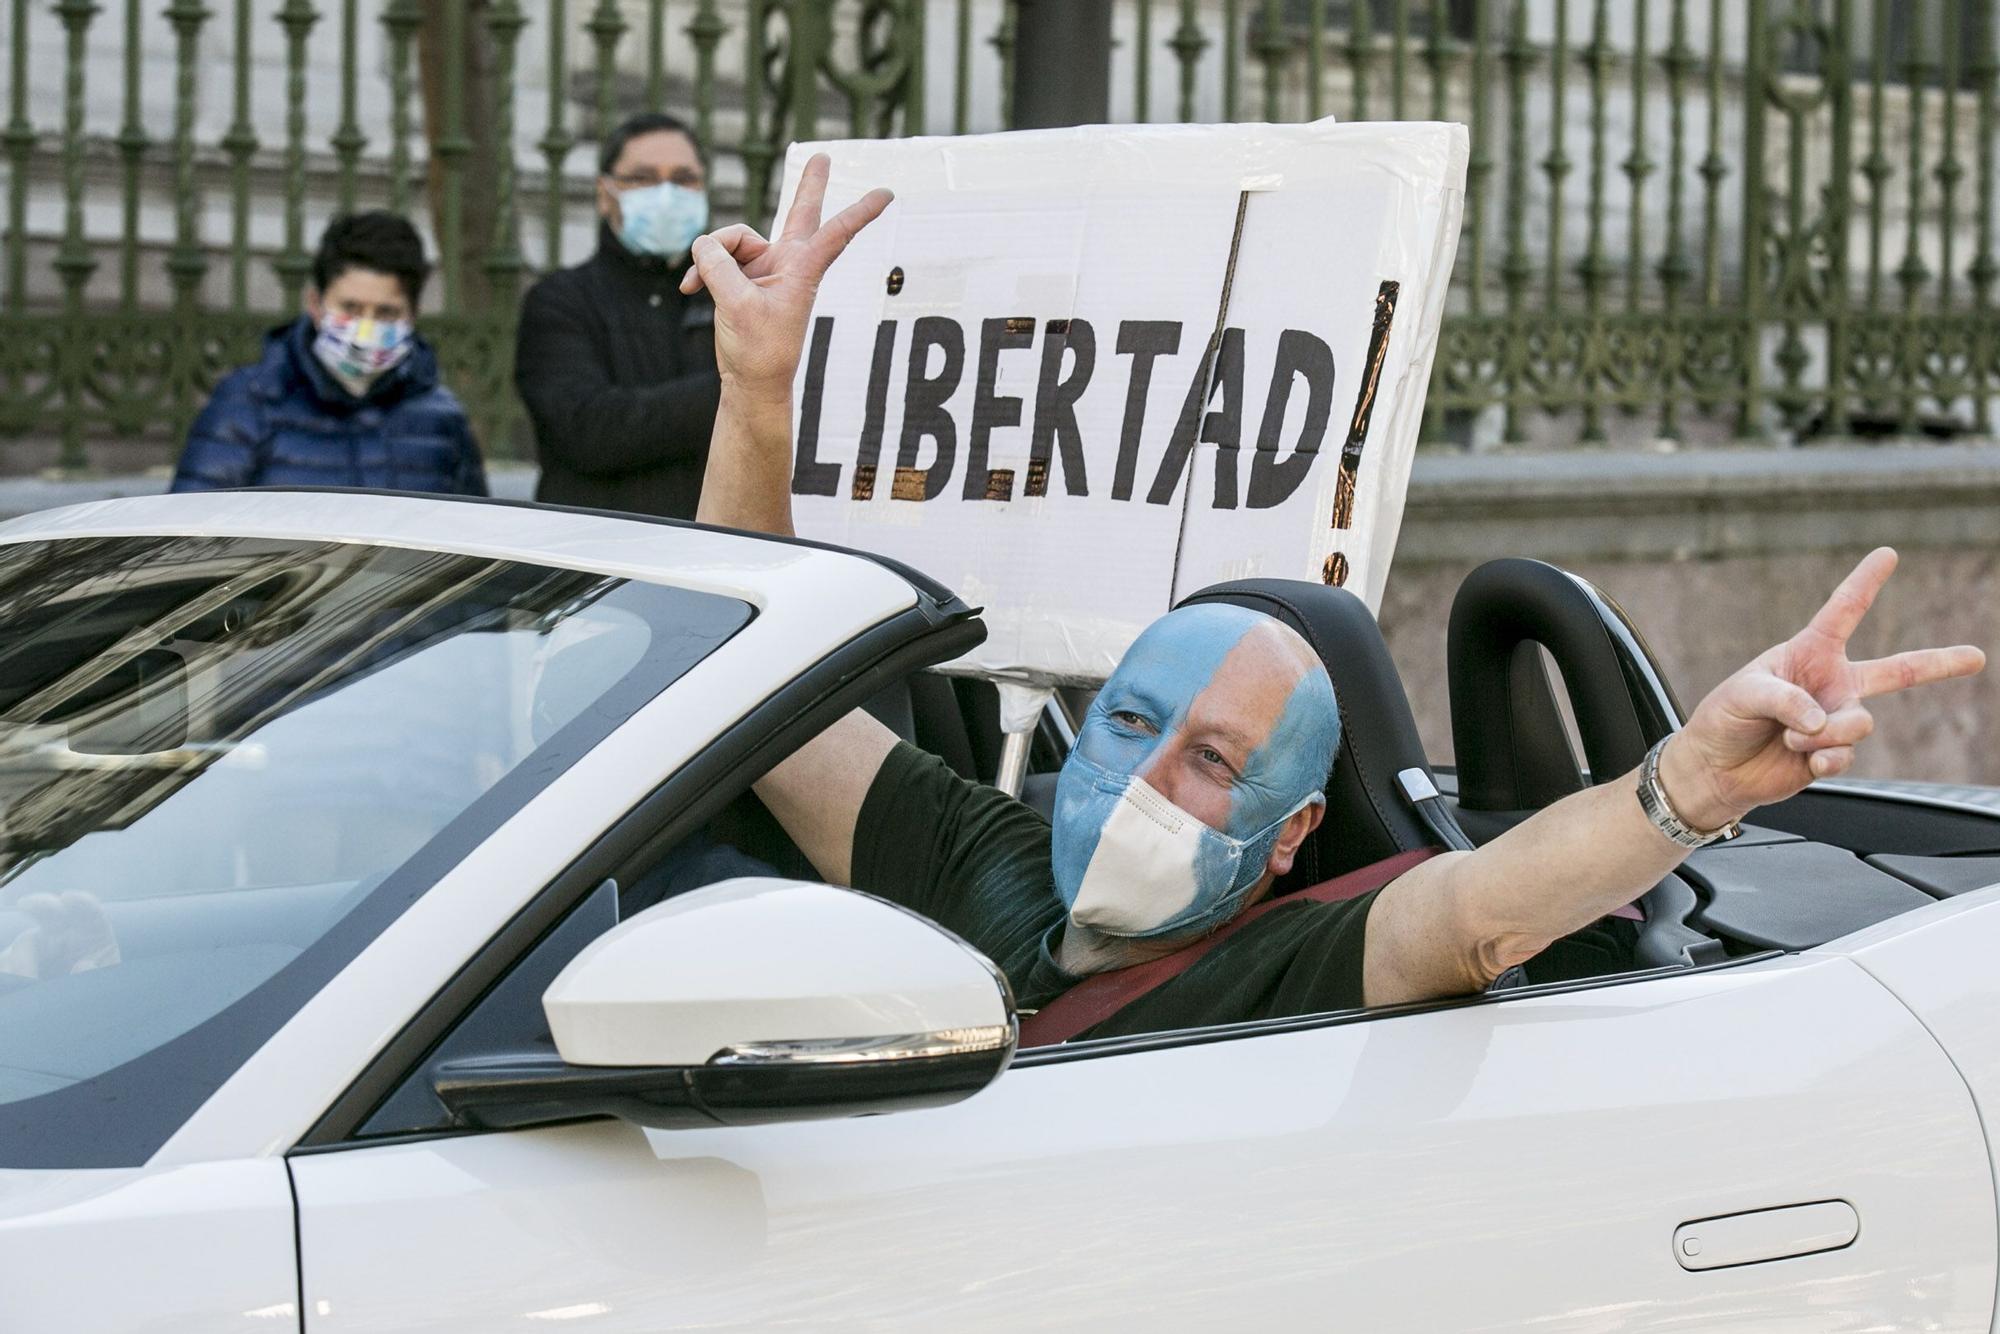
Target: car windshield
x: 227, y: 763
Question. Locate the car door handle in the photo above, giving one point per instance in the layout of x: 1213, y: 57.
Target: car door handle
x: 1766, y: 1234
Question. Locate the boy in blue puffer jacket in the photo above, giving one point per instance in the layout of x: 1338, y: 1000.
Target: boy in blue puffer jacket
x: 346, y: 394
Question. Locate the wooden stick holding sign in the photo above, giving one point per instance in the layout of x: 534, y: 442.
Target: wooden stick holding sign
x: 1335, y: 570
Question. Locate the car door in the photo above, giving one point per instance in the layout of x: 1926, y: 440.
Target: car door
x: 1532, y: 1160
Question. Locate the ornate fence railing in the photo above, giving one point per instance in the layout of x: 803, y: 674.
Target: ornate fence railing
x: 1686, y: 219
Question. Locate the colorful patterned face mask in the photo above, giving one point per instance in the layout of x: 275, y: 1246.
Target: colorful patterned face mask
x: 1128, y: 861
x: 661, y: 219
x: 358, y: 351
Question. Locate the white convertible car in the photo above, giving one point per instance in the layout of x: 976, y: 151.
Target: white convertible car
x: 389, y: 941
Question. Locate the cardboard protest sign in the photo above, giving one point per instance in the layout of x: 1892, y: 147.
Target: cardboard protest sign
x: 1078, y: 374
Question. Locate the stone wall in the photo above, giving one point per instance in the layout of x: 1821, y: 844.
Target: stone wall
x: 1717, y: 555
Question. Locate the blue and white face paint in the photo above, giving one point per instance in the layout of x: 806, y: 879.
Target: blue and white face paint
x: 1128, y: 861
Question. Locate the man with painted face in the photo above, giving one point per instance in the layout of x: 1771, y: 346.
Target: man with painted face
x: 1198, y: 772
x: 1156, y: 841
x: 347, y: 394
x: 615, y: 364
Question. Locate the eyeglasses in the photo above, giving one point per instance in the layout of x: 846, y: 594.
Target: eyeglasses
x: 640, y: 181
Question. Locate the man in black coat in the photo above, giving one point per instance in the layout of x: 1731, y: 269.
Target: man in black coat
x: 616, y: 367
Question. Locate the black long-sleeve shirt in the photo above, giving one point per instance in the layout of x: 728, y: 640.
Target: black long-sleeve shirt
x: 617, y: 370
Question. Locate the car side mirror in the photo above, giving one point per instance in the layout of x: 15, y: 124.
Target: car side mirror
x: 751, y: 1001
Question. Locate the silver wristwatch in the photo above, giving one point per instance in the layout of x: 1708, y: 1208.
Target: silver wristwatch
x: 1653, y: 801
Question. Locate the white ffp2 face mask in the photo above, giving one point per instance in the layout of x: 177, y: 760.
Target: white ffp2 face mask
x: 1155, y: 869
x: 1143, y: 874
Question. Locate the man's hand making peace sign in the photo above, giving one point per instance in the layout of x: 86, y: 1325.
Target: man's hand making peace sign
x: 1792, y: 715
x: 763, y: 292
x: 1796, y: 712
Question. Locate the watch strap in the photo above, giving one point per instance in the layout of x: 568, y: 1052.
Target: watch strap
x: 1660, y: 810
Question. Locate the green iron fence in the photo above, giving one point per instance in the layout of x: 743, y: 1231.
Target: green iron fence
x: 1686, y: 219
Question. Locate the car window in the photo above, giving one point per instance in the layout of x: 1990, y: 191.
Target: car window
x: 743, y: 839
x: 226, y: 764
x: 507, y: 1020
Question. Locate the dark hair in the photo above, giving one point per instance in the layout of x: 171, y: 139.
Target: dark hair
x: 645, y: 122
x: 378, y: 240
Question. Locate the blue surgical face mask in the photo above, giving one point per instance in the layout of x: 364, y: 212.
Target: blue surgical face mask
x: 1127, y: 861
x: 661, y: 219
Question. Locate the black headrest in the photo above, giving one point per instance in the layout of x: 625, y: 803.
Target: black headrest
x: 1512, y: 750
x: 1367, y: 818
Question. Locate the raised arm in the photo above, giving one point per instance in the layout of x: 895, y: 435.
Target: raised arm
x: 763, y: 293
x: 1794, y: 714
